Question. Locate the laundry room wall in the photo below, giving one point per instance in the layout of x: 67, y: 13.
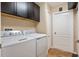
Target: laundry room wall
x: 75, y: 11
x: 16, y: 23
x: 41, y: 26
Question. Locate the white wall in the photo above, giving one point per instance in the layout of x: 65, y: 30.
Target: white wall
x: 41, y: 26
x: 48, y: 24
x: 75, y: 29
x: 64, y: 7
x: 44, y: 26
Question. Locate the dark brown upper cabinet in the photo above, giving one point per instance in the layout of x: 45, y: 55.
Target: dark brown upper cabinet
x: 31, y: 11
x: 36, y: 12
x: 72, y: 5
x: 8, y: 7
x: 22, y: 9
x: 28, y: 10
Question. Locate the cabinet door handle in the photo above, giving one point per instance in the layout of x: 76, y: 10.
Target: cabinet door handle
x: 38, y: 38
x: 22, y: 39
x: 77, y: 41
x: 41, y: 37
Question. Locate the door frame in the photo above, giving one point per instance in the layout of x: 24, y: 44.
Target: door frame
x: 78, y: 29
x: 71, y: 11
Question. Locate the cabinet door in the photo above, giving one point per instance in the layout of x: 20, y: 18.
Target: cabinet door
x: 31, y: 10
x: 8, y: 7
x: 42, y: 47
x: 72, y: 5
x: 25, y: 49
x: 36, y: 12
x: 22, y: 9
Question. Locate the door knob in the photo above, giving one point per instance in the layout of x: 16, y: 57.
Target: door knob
x: 77, y: 41
x: 54, y: 32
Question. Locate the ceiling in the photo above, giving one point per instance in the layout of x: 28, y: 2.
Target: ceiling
x: 53, y: 4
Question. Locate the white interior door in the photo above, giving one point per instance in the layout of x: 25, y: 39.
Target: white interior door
x: 63, y: 31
